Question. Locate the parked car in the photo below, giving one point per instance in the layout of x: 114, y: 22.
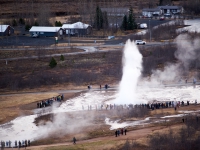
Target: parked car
x: 162, y: 18
x: 140, y: 42
x: 143, y: 26
x: 35, y: 35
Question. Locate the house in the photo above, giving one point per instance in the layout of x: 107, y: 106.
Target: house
x: 77, y: 28
x: 171, y: 9
x: 6, y: 30
x: 120, y: 12
x: 45, y: 31
x: 149, y: 12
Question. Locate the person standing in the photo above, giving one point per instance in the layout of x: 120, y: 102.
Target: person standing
x: 29, y: 143
x: 122, y: 132
x: 25, y: 143
x: 19, y: 144
x: 9, y: 143
x: 125, y: 131
x: 116, y: 133
x: 74, y: 140
x: 15, y: 143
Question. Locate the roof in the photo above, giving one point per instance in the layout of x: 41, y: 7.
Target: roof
x: 3, y: 28
x: 170, y: 7
x: 151, y: 9
x: 77, y: 25
x: 44, y: 29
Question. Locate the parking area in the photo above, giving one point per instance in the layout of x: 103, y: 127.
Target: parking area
x: 25, y: 41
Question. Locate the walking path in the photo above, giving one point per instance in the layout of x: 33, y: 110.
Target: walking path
x: 131, y: 135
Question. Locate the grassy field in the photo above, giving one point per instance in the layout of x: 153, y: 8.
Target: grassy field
x: 15, y: 105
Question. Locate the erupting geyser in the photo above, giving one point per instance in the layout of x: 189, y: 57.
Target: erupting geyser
x: 132, y: 67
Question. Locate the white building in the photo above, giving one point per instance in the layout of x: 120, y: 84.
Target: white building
x: 45, y: 31
x: 171, y: 9
x: 160, y: 10
x: 78, y: 28
x: 149, y: 12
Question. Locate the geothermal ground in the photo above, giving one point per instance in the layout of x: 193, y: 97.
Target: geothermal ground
x: 97, y: 113
x: 73, y: 117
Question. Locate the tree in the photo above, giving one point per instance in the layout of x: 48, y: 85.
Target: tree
x: 44, y: 14
x: 27, y: 27
x: 124, y: 23
x: 165, y: 2
x: 21, y: 21
x: 98, y: 18
x: 36, y: 23
x: 62, y: 58
x: 131, y: 21
x: 58, y: 24
x: 105, y: 20
x: 14, y: 22
x: 160, y: 2
x: 52, y: 63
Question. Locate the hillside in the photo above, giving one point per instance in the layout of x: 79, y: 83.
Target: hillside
x: 13, y: 9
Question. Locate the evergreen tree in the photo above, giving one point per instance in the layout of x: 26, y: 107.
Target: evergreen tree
x: 62, y: 58
x: 98, y: 18
x: 14, y: 22
x: 36, y: 23
x: 52, y: 63
x: 160, y: 2
x: 27, y: 27
x: 21, y: 21
x: 124, y: 23
x: 58, y: 24
x: 105, y: 20
x: 131, y: 21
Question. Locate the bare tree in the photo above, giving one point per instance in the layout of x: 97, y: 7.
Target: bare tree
x: 44, y: 14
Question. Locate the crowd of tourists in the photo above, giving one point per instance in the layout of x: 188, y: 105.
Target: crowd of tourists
x: 152, y: 106
x: 17, y: 144
x: 49, y: 102
x: 106, y: 86
x: 119, y: 132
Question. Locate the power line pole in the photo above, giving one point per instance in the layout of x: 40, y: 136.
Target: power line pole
x: 149, y: 31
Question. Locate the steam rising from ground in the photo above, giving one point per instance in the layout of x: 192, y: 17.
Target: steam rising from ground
x: 187, y: 52
x: 187, y: 49
x: 132, y: 66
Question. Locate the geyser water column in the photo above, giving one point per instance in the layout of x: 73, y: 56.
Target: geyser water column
x: 132, y: 67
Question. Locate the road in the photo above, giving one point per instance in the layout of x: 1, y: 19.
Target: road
x: 86, y: 49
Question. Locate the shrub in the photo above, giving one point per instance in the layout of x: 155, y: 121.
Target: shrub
x: 14, y: 22
x: 58, y: 24
x: 27, y: 27
x: 36, y: 23
x: 62, y: 58
x: 52, y: 63
x: 21, y: 21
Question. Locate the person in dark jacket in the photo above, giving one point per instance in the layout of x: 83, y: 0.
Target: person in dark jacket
x: 74, y: 140
x: 116, y: 133
x: 125, y: 131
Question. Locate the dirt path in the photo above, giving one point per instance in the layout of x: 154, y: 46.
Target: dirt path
x: 131, y: 135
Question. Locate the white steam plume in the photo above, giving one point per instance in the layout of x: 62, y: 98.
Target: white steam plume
x: 132, y: 67
x: 187, y: 51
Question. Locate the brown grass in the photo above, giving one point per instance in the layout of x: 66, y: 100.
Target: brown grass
x: 27, y: 53
x: 10, y: 104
